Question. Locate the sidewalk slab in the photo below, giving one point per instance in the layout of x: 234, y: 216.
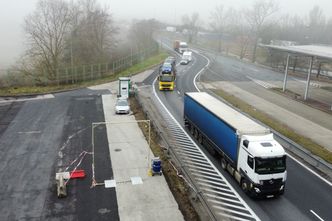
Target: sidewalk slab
x: 130, y: 157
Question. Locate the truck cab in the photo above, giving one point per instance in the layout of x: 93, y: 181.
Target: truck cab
x: 262, y: 165
x: 183, y: 47
x: 167, y: 75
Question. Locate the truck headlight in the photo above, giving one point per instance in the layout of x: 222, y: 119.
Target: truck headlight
x: 257, y: 189
x: 282, y: 187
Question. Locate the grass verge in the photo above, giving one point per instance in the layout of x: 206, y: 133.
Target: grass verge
x: 276, y: 125
x: 178, y: 187
x: 137, y: 68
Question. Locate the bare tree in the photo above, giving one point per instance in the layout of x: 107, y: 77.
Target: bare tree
x: 93, y: 33
x: 46, y: 29
x: 257, y: 17
x: 218, y: 24
x: 141, y: 33
x: 191, y: 23
x: 315, y: 25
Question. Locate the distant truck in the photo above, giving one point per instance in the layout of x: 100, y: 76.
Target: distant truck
x: 246, y: 149
x: 167, y: 76
x: 171, y: 29
x: 183, y: 47
x: 176, y: 45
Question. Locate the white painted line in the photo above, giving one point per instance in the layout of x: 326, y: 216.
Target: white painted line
x: 217, y: 171
x: 311, y: 171
x: 110, y: 183
x: 304, y: 82
x: 29, y: 132
x: 194, y: 81
x: 137, y: 180
x: 316, y: 215
x: 261, y: 83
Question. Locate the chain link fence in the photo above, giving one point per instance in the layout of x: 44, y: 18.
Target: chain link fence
x: 81, y: 73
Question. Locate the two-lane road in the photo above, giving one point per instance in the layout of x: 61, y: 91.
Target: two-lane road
x: 307, y: 197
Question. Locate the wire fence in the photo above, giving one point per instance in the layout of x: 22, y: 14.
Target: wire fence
x: 81, y: 73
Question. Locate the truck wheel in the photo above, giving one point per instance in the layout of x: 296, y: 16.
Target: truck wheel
x: 223, y: 164
x: 244, y: 185
x: 196, y: 134
x: 192, y: 130
x: 200, y: 138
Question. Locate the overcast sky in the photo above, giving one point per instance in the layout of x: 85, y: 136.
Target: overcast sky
x: 12, y: 13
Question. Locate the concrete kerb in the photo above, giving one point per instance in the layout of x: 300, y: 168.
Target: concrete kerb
x: 138, y: 200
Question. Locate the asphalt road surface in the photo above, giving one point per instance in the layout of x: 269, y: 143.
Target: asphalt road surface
x: 40, y: 137
x: 307, y: 197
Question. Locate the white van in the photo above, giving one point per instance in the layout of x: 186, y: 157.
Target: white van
x: 186, y: 57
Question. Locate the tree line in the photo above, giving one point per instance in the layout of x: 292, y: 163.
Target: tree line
x: 62, y: 33
x: 261, y: 23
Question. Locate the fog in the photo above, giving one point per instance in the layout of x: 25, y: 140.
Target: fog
x: 13, y: 12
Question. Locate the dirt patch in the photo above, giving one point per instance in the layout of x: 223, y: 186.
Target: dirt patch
x: 179, y: 188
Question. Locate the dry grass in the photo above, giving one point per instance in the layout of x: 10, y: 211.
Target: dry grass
x: 146, y: 64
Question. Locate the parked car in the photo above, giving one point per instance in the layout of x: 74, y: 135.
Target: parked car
x: 122, y: 106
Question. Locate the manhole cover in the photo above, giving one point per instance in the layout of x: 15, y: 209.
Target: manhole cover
x: 117, y: 149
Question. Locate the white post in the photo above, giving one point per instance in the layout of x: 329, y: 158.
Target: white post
x: 308, y: 79
x: 286, y: 73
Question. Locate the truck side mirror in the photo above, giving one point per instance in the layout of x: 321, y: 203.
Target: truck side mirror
x: 246, y: 143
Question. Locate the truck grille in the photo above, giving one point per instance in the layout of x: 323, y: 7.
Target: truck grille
x: 272, y: 184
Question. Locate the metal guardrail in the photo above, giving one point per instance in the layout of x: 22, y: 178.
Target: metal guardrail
x: 158, y: 127
x: 217, y: 196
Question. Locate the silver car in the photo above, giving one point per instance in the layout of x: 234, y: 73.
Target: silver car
x: 122, y: 106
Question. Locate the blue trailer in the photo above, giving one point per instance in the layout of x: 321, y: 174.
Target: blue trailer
x: 245, y: 148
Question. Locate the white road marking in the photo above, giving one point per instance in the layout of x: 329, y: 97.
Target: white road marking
x: 194, y: 81
x: 304, y: 82
x: 316, y: 215
x: 261, y: 83
x: 311, y: 171
x: 29, y: 132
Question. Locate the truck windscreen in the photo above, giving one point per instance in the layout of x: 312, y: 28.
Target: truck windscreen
x: 166, y: 78
x: 270, y: 165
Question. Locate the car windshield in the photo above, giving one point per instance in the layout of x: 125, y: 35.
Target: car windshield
x: 170, y: 59
x: 166, y: 78
x: 122, y: 103
x: 167, y: 65
x: 270, y: 165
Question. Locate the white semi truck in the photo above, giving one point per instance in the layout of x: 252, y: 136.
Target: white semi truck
x: 247, y: 150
